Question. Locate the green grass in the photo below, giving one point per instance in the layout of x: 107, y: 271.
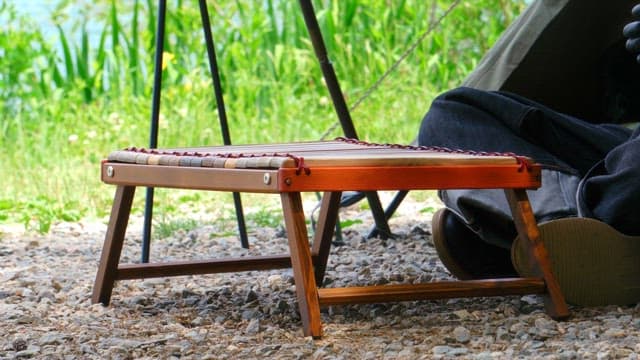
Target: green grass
x: 67, y: 100
x: 164, y: 228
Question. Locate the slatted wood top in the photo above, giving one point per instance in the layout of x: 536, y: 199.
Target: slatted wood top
x: 337, y: 153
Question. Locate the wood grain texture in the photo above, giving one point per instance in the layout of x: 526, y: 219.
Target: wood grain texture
x: 409, y: 178
x: 332, y: 167
x: 306, y: 288
x: 430, y: 291
x: 112, y: 248
x: 178, y: 268
x: 528, y: 231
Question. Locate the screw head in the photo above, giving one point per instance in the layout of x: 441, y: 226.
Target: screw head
x: 266, y: 179
x: 110, y: 171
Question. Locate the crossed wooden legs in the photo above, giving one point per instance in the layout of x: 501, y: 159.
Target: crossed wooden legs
x: 309, y: 263
x: 310, y: 297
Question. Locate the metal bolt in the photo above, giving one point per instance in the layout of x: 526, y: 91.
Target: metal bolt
x: 110, y: 171
x: 287, y: 181
x: 266, y: 179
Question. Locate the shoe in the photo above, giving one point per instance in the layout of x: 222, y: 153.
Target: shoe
x: 593, y: 263
x: 464, y: 253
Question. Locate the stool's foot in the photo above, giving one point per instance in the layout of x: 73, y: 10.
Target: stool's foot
x: 528, y: 231
x: 306, y: 288
x: 108, y: 268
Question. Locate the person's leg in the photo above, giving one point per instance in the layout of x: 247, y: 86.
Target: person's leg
x: 478, y: 120
x: 593, y: 263
x: 464, y: 254
x: 488, y: 121
x: 610, y: 191
x: 487, y: 213
x: 596, y: 257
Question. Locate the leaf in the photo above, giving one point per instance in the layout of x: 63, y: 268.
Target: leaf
x: 66, y: 51
x: 346, y: 223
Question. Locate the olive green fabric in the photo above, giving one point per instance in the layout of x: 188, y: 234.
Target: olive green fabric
x: 564, y: 54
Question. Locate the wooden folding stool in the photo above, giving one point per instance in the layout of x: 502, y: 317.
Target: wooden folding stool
x: 330, y: 167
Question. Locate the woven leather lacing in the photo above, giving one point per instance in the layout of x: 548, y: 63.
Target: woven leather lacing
x: 298, y: 160
x: 523, y: 162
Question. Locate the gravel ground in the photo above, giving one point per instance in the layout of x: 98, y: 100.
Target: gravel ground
x: 46, y: 313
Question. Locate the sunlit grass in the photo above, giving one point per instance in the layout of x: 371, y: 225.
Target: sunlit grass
x: 68, y: 100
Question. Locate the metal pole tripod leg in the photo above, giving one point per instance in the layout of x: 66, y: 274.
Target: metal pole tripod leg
x: 155, y: 114
x: 222, y: 113
x: 339, y: 104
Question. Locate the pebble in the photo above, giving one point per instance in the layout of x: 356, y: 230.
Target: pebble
x: 28, y: 353
x: 46, y: 283
x: 462, y: 334
x: 253, y: 327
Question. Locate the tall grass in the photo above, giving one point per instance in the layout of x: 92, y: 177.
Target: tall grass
x: 69, y: 99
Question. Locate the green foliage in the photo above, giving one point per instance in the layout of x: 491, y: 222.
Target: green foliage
x: 83, y: 90
x: 39, y: 213
x: 21, y: 47
x: 349, y: 222
x: 265, y: 217
x: 428, y: 210
x: 165, y: 228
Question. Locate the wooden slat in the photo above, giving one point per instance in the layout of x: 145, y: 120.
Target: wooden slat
x: 183, y: 177
x: 337, y: 150
x: 409, y: 178
x: 178, y: 268
x: 387, y: 157
x: 316, y: 154
x: 348, y: 158
x: 297, y: 147
x: 336, y: 158
x: 323, y: 179
x: 430, y: 291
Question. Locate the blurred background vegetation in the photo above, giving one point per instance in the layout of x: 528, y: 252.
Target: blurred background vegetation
x: 76, y: 83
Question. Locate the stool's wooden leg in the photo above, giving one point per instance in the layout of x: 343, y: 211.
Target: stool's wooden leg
x: 324, y: 232
x: 528, y: 231
x: 306, y: 289
x: 108, y: 268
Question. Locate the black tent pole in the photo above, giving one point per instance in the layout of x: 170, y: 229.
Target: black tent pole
x: 391, y: 208
x: 222, y: 113
x: 328, y: 72
x: 339, y: 104
x: 155, y: 114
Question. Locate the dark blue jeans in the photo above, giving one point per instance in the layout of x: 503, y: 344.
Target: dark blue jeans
x: 590, y: 170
